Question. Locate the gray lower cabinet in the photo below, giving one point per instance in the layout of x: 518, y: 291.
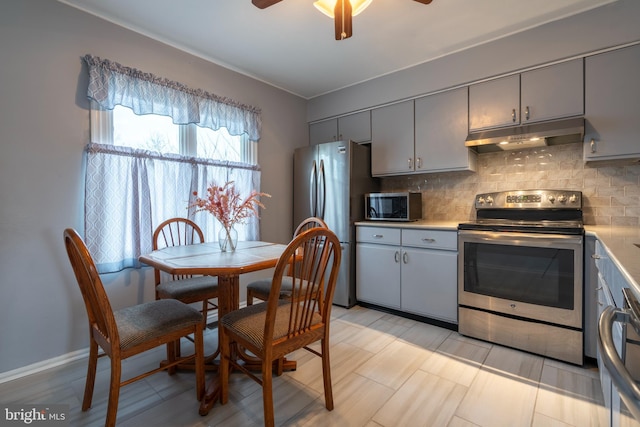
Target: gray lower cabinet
x: 378, y: 254
x: 410, y: 269
x: 612, y: 105
x: 611, y: 281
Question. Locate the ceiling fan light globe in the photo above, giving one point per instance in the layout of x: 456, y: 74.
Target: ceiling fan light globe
x: 327, y: 6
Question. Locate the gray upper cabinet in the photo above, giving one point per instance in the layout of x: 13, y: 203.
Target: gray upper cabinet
x: 552, y: 92
x: 441, y: 126
x: 355, y: 127
x: 612, y: 105
x: 494, y: 103
x: 323, y: 131
x: 392, y: 139
x: 547, y: 93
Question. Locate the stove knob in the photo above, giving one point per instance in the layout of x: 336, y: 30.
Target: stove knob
x: 489, y: 200
x: 481, y: 200
x: 562, y: 198
x: 552, y: 198
x: 573, y: 198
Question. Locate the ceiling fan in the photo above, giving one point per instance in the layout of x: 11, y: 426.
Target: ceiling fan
x: 342, y: 14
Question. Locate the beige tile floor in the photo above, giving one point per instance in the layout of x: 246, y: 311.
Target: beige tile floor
x: 386, y: 370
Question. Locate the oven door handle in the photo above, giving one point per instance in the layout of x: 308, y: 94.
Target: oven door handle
x: 515, y: 238
x: 620, y: 376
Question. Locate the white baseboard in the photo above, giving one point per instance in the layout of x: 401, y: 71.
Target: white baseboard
x: 43, y: 366
x: 69, y: 357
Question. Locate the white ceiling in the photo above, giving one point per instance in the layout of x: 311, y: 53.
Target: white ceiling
x: 291, y: 45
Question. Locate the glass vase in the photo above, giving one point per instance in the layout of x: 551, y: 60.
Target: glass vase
x: 228, y: 239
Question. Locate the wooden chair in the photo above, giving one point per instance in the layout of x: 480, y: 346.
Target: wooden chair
x: 278, y: 327
x: 186, y: 288
x: 129, y: 331
x: 260, y: 288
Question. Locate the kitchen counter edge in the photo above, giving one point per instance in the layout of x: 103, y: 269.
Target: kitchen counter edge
x: 620, y: 243
x: 429, y: 225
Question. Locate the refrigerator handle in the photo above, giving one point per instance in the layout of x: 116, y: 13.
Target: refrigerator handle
x: 313, y: 186
x: 322, y: 191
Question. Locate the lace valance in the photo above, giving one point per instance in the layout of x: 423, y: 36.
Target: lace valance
x: 112, y: 84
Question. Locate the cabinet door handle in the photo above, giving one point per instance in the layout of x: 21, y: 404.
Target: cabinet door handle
x: 595, y: 256
x: 428, y: 240
x: 526, y: 112
x: 410, y: 161
x: 405, y: 258
x: 593, y: 145
x: 419, y: 162
x: 513, y: 115
x: 377, y: 236
x: 396, y: 256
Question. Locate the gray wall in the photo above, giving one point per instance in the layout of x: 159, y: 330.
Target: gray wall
x: 44, y: 126
x: 609, y: 25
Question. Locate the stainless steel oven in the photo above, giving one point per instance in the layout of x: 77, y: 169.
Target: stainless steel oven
x: 520, y: 272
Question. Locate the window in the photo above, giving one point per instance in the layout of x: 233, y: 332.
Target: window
x: 122, y: 127
x: 153, y: 144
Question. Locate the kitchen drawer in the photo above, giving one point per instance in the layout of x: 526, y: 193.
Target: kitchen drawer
x: 381, y: 235
x: 432, y: 239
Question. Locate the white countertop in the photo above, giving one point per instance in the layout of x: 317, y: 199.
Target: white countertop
x: 618, y: 240
x: 434, y: 225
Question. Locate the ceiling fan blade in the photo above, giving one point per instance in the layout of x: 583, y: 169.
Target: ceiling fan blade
x: 264, y: 3
x: 424, y: 1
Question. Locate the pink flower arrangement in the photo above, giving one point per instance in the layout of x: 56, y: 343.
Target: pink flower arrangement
x: 227, y: 206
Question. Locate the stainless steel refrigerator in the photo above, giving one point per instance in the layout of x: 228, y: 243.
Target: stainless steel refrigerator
x: 329, y: 182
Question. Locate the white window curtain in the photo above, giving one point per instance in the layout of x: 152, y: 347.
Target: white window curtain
x: 129, y: 192
x: 112, y: 84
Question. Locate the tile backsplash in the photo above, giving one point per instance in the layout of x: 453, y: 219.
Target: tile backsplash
x: 611, y: 190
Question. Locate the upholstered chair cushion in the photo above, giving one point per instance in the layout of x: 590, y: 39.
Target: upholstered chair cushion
x: 189, y: 289
x: 263, y: 287
x: 155, y: 319
x: 249, y: 322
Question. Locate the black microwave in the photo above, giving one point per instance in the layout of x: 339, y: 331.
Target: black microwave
x: 404, y: 206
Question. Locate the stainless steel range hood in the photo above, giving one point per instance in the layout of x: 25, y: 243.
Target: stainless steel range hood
x: 527, y: 136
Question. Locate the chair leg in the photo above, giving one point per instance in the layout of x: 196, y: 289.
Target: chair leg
x: 267, y: 392
x: 114, y: 392
x: 249, y: 297
x: 171, y: 355
x: 279, y: 366
x: 205, y: 310
x: 326, y: 374
x: 91, y: 375
x: 199, y: 361
x: 225, y: 352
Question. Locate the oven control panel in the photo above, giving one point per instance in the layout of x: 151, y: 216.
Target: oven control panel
x: 530, y: 199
